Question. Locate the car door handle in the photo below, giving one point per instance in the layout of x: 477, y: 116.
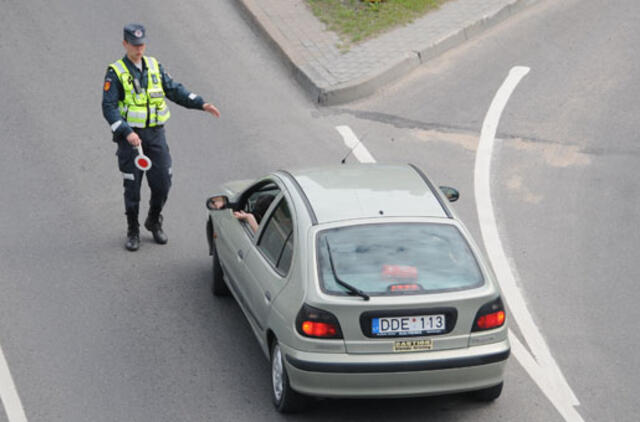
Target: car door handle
x: 267, y: 296
x: 240, y: 254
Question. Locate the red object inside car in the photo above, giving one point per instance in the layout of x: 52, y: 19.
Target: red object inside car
x: 400, y: 271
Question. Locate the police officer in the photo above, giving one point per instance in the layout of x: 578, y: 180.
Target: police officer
x: 133, y: 103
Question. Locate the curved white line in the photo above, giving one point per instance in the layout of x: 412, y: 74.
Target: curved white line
x: 9, y: 394
x: 543, y: 369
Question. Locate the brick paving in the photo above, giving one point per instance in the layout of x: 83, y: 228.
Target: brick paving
x: 333, y: 76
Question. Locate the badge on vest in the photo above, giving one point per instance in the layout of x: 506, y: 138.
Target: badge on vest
x: 154, y: 78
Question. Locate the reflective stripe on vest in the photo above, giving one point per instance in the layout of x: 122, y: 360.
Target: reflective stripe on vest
x: 147, y: 108
x: 120, y: 67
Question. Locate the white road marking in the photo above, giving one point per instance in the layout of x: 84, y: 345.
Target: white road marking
x: 542, y: 369
x: 357, y: 148
x: 541, y: 366
x: 545, y: 383
x: 9, y: 394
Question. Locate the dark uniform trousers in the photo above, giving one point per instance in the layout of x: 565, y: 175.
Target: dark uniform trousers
x: 154, y: 146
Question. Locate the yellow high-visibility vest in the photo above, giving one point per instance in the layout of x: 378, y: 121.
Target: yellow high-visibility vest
x: 147, y: 105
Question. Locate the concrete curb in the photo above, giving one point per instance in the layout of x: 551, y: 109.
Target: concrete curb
x: 368, y: 84
x: 254, y: 14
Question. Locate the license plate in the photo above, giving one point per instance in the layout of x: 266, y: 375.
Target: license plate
x: 412, y: 345
x: 408, y: 325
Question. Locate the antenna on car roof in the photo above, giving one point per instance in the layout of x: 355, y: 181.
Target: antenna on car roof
x: 345, y: 157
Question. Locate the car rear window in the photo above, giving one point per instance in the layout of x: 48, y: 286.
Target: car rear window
x: 398, y: 258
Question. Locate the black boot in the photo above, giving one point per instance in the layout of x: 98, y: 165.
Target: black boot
x: 133, y: 231
x: 153, y: 223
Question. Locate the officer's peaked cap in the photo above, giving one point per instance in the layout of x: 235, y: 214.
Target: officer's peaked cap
x: 134, y: 33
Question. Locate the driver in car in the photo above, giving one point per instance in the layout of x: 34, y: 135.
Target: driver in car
x: 259, y: 209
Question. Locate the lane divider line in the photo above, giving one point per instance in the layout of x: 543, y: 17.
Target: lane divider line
x: 568, y: 412
x: 544, y: 366
x: 8, y: 393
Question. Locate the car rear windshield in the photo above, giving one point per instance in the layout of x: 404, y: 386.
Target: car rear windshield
x: 399, y: 258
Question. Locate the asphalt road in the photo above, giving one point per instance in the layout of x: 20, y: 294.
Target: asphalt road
x: 92, y: 332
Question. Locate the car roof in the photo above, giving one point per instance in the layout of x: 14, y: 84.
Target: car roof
x: 353, y: 191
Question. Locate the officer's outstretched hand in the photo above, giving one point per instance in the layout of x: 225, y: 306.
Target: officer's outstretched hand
x: 134, y: 139
x: 210, y: 108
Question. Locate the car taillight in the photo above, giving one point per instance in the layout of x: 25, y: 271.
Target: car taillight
x: 492, y: 315
x: 493, y: 320
x: 318, y: 329
x: 314, y: 322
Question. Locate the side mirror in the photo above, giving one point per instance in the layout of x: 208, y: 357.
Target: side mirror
x: 451, y: 193
x: 218, y: 202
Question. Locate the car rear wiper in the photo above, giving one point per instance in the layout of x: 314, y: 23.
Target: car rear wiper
x: 352, y: 289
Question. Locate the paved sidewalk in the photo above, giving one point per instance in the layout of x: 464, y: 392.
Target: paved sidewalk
x: 334, y: 77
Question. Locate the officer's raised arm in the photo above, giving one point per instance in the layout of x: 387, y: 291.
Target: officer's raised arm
x: 177, y: 93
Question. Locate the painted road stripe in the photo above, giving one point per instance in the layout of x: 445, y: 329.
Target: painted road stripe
x: 357, y: 148
x: 9, y: 394
x: 566, y: 410
x: 541, y: 366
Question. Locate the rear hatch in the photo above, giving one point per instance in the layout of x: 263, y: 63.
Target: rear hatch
x: 400, y: 286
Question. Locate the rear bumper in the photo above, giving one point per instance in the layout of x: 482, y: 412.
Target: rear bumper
x: 398, y: 374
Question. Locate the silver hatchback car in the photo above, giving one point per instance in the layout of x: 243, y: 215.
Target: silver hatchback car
x: 359, y: 281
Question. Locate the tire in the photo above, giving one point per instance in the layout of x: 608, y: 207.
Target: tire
x: 218, y: 286
x: 285, y: 399
x: 488, y: 394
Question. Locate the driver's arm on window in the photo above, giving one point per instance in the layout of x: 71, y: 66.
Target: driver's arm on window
x: 248, y: 217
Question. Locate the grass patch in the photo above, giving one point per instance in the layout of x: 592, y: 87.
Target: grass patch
x: 357, y: 20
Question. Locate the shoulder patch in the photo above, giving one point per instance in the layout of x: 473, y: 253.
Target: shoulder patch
x: 107, y: 85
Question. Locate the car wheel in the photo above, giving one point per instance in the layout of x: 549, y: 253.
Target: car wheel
x: 218, y: 286
x: 488, y: 394
x: 285, y: 398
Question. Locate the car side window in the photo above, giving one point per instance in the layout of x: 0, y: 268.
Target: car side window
x: 287, y: 253
x: 257, y: 202
x: 276, y: 242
